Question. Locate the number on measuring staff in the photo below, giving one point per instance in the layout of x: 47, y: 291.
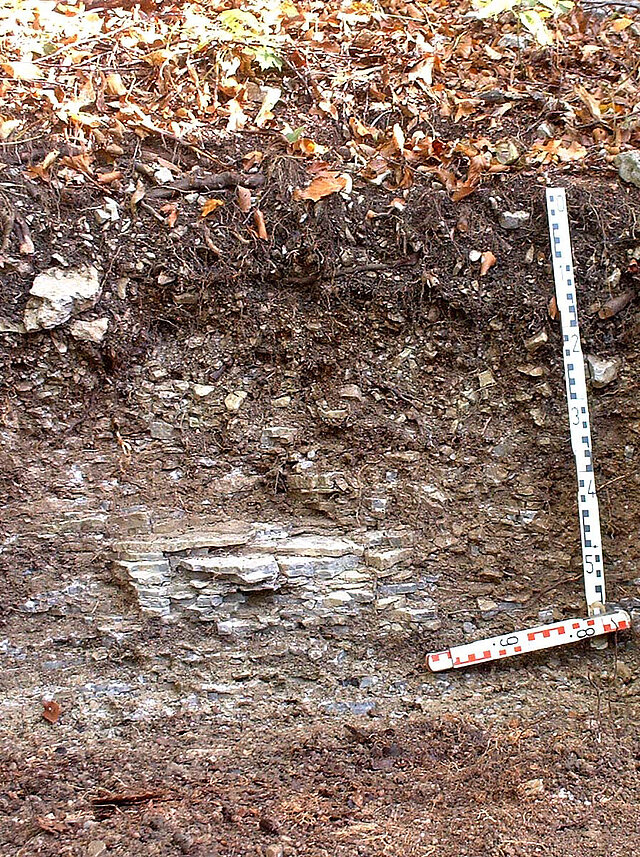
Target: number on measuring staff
x: 585, y: 632
x: 512, y: 640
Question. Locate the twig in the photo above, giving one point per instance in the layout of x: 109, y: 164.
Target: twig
x: 209, y: 181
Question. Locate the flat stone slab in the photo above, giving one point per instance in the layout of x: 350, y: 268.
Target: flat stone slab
x: 257, y: 570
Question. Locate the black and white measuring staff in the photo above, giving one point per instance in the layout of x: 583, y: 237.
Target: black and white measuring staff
x: 579, y: 423
x: 599, y: 622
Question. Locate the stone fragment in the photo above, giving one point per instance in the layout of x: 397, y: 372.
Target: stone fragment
x: 350, y: 391
x: 603, y: 370
x: 507, y: 151
x: 539, y: 416
x: 57, y: 294
x: 475, y: 255
x: 163, y: 175
x: 257, y: 571
x: 383, y: 559
x: 536, y: 341
x: 89, y: 331
x: 339, y: 598
x: 513, y: 219
x: 203, y: 390
x: 486, y: 379
x: 316, y: 566
x: 160, y: 430
x: 142, y: 572
x: 96, y: 848
x: 233, y: 402
x: 273, y: 436
x: 281, y: 402
x: 312, y: 546
x: 628, y: 164
x: 236, y: 627
x: 8, y: 326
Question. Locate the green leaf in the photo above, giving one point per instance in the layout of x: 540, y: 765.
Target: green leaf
x: 294, y: 136
x: 267, y: 58
x: 493, y: 8
x: 240, y: 23
x: 534, y: 22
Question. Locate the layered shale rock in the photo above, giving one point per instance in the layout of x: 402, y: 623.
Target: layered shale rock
x: 249, y: 577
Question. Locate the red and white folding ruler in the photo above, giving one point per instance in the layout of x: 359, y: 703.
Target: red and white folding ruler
x: 598, y: 622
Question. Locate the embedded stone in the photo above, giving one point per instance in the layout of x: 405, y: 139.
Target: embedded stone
x: 58, y: 293
x: 255, y: 571
x: 383, y: 559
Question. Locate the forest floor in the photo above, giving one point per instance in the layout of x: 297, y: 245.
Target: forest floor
x: 305, y: 219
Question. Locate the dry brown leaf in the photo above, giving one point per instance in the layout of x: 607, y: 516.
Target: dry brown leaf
x: 210, y: 206
x: 22, y: 70
x: 258, y: 222
x: 171, y: 211
x: 107, y: 178
x: 271, y: 98
x: 462, y: 190
x: 323, y: 185
x: 82, y: 163
x: 252, y: 159
x: 552, y: 307
x: 7, y: 127
x: 115, y: 86
x: 615, y: 305
x: 574, y: 152
x: 590, y: 101
x: 621, y: 24
x: 243, y: 195
x: 137, y: 196
x: 51, y: 825
x: 51, y: 711
x: 487, y: 261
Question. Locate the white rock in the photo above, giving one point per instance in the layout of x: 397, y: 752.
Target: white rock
x: 513, y: 219
x: 315, y: 566
x: 383, y: 559
x: 202, y: 390
x: 260, y: 571
x: 536, y: 341
x: 474, y: 255
x: 628, y: 164
x: 89, y: 331
x: 310, y: 546
x: 351, y: 391
x: 233, y: 402
x: 278, y: 435
x: 603, y: 371
x: 163, y: 175
x: 57, y: 294
x: 339, y: 598
x: 8, y: 326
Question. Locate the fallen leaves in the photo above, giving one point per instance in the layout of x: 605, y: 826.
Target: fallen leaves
x: 137, y: 196
x: 22, y: 70
x: 210, y: 206
x: 615, y: 305
x: 324, y: 184
x: 243, y: 197
x: 51, y: 711
x: 258, y: 222
x: 487, y: 261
